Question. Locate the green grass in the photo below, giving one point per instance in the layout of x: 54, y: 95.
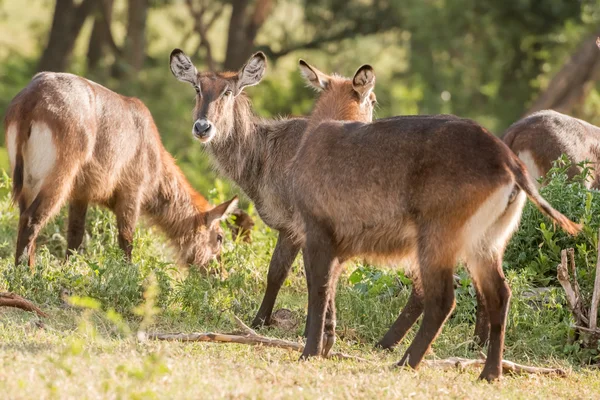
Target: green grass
x: 76, y: 363
x: 92, y: 351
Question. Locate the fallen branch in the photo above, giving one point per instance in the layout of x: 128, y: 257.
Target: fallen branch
x: 14, y: 300
x: 573, y: 296
x: 595, y: 331
x: 508, y: 367
x: 596, y: 294
x: 247, y: 336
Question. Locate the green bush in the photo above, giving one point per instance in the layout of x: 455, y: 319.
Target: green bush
x: 535, y: 248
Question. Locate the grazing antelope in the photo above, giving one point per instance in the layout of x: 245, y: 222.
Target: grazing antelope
x: 70, y: 139
x: 542, y: 137
x: 255, y: 152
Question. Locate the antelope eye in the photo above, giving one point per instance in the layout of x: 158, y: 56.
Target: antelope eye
x: 228, y: 92
x: 197, y: 89
x: 219, y: 238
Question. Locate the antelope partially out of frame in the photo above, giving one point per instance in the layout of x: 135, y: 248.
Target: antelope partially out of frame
x: 70, y: 139
x: 255, y: 152
x: 541, y: 138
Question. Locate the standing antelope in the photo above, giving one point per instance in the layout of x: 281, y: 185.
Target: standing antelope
x: 255, y: 152
x: 236, y: 138
x: 70, y: 139
x: 432, y: 189
x: 542, y: 137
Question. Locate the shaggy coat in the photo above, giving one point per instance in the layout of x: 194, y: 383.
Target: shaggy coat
x: 256, y: 152
x: 72, y: 140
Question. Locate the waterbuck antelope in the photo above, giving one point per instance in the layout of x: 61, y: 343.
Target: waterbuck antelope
x: 542, y: 137
x: 70, y: 139
x: 235, y: 137
x: 431, y: 189
x: 255, y: 152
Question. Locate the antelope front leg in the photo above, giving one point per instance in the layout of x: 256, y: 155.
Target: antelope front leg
x: 127, y: 210
x: 76, y: 230
x: 281, y: 262
x: 320, y: 268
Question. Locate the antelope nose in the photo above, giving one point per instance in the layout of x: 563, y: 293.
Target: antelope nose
x: 201, y: 128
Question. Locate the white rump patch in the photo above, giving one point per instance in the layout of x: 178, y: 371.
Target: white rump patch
x: 39, y: 157
x: 488, y: 227
x: 11, y: 144
x: 532, y: 167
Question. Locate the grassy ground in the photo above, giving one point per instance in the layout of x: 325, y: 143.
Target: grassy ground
x: 70, y: 363
x: 90, y: 350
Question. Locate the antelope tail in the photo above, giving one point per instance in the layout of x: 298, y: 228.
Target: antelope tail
x: 526, y: 184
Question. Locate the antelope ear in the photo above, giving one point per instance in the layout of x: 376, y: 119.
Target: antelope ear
x: 313, y: 76
x: 364, y: 81
x: 252, y: 72
x: 222, y: 211
x: 183, y: 68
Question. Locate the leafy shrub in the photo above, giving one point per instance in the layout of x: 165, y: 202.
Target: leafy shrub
x: 535, y: 248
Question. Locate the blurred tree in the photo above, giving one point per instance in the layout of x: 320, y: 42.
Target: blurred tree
x: 135, y: 42
x: 325, y: 22
x: 571, y: 85
x: 67, y: 22
x: 101, y: 38
x: 482, y: 59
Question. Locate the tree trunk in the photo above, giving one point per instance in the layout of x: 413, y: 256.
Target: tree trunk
x: 243, y: 29
x: 100, y: 37
x: 66, y: 25
x: 571, y: 85
x: 238, y: 48
x: 135, y: 43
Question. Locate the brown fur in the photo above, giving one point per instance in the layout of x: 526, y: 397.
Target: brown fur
x: 546, y: 135
x: 409, y: 186
x: 255, y: 153
x: 108, y: 152
x: 332, y: 211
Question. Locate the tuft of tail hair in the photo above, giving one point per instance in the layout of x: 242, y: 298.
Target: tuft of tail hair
x: 526, y: 184
x: 17, y: 176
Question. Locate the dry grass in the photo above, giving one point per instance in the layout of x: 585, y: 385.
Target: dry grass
x: 68, y: 362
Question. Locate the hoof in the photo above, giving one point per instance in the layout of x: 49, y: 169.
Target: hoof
x: 383, y: 345
x: 490, y: 376
x: 305, y: 356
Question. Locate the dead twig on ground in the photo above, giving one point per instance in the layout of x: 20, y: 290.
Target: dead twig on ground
x: 246, y: 336
x: 508, y: 367
x: 16, y: 301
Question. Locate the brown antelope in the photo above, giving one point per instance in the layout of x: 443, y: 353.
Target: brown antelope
x: 70, y: 139
x: 265, y: 146
x: 255, y: 152
x: 542, y: 137
x: 431, y: 189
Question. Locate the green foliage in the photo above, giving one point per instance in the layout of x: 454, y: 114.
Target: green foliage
x: 535, y: 248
